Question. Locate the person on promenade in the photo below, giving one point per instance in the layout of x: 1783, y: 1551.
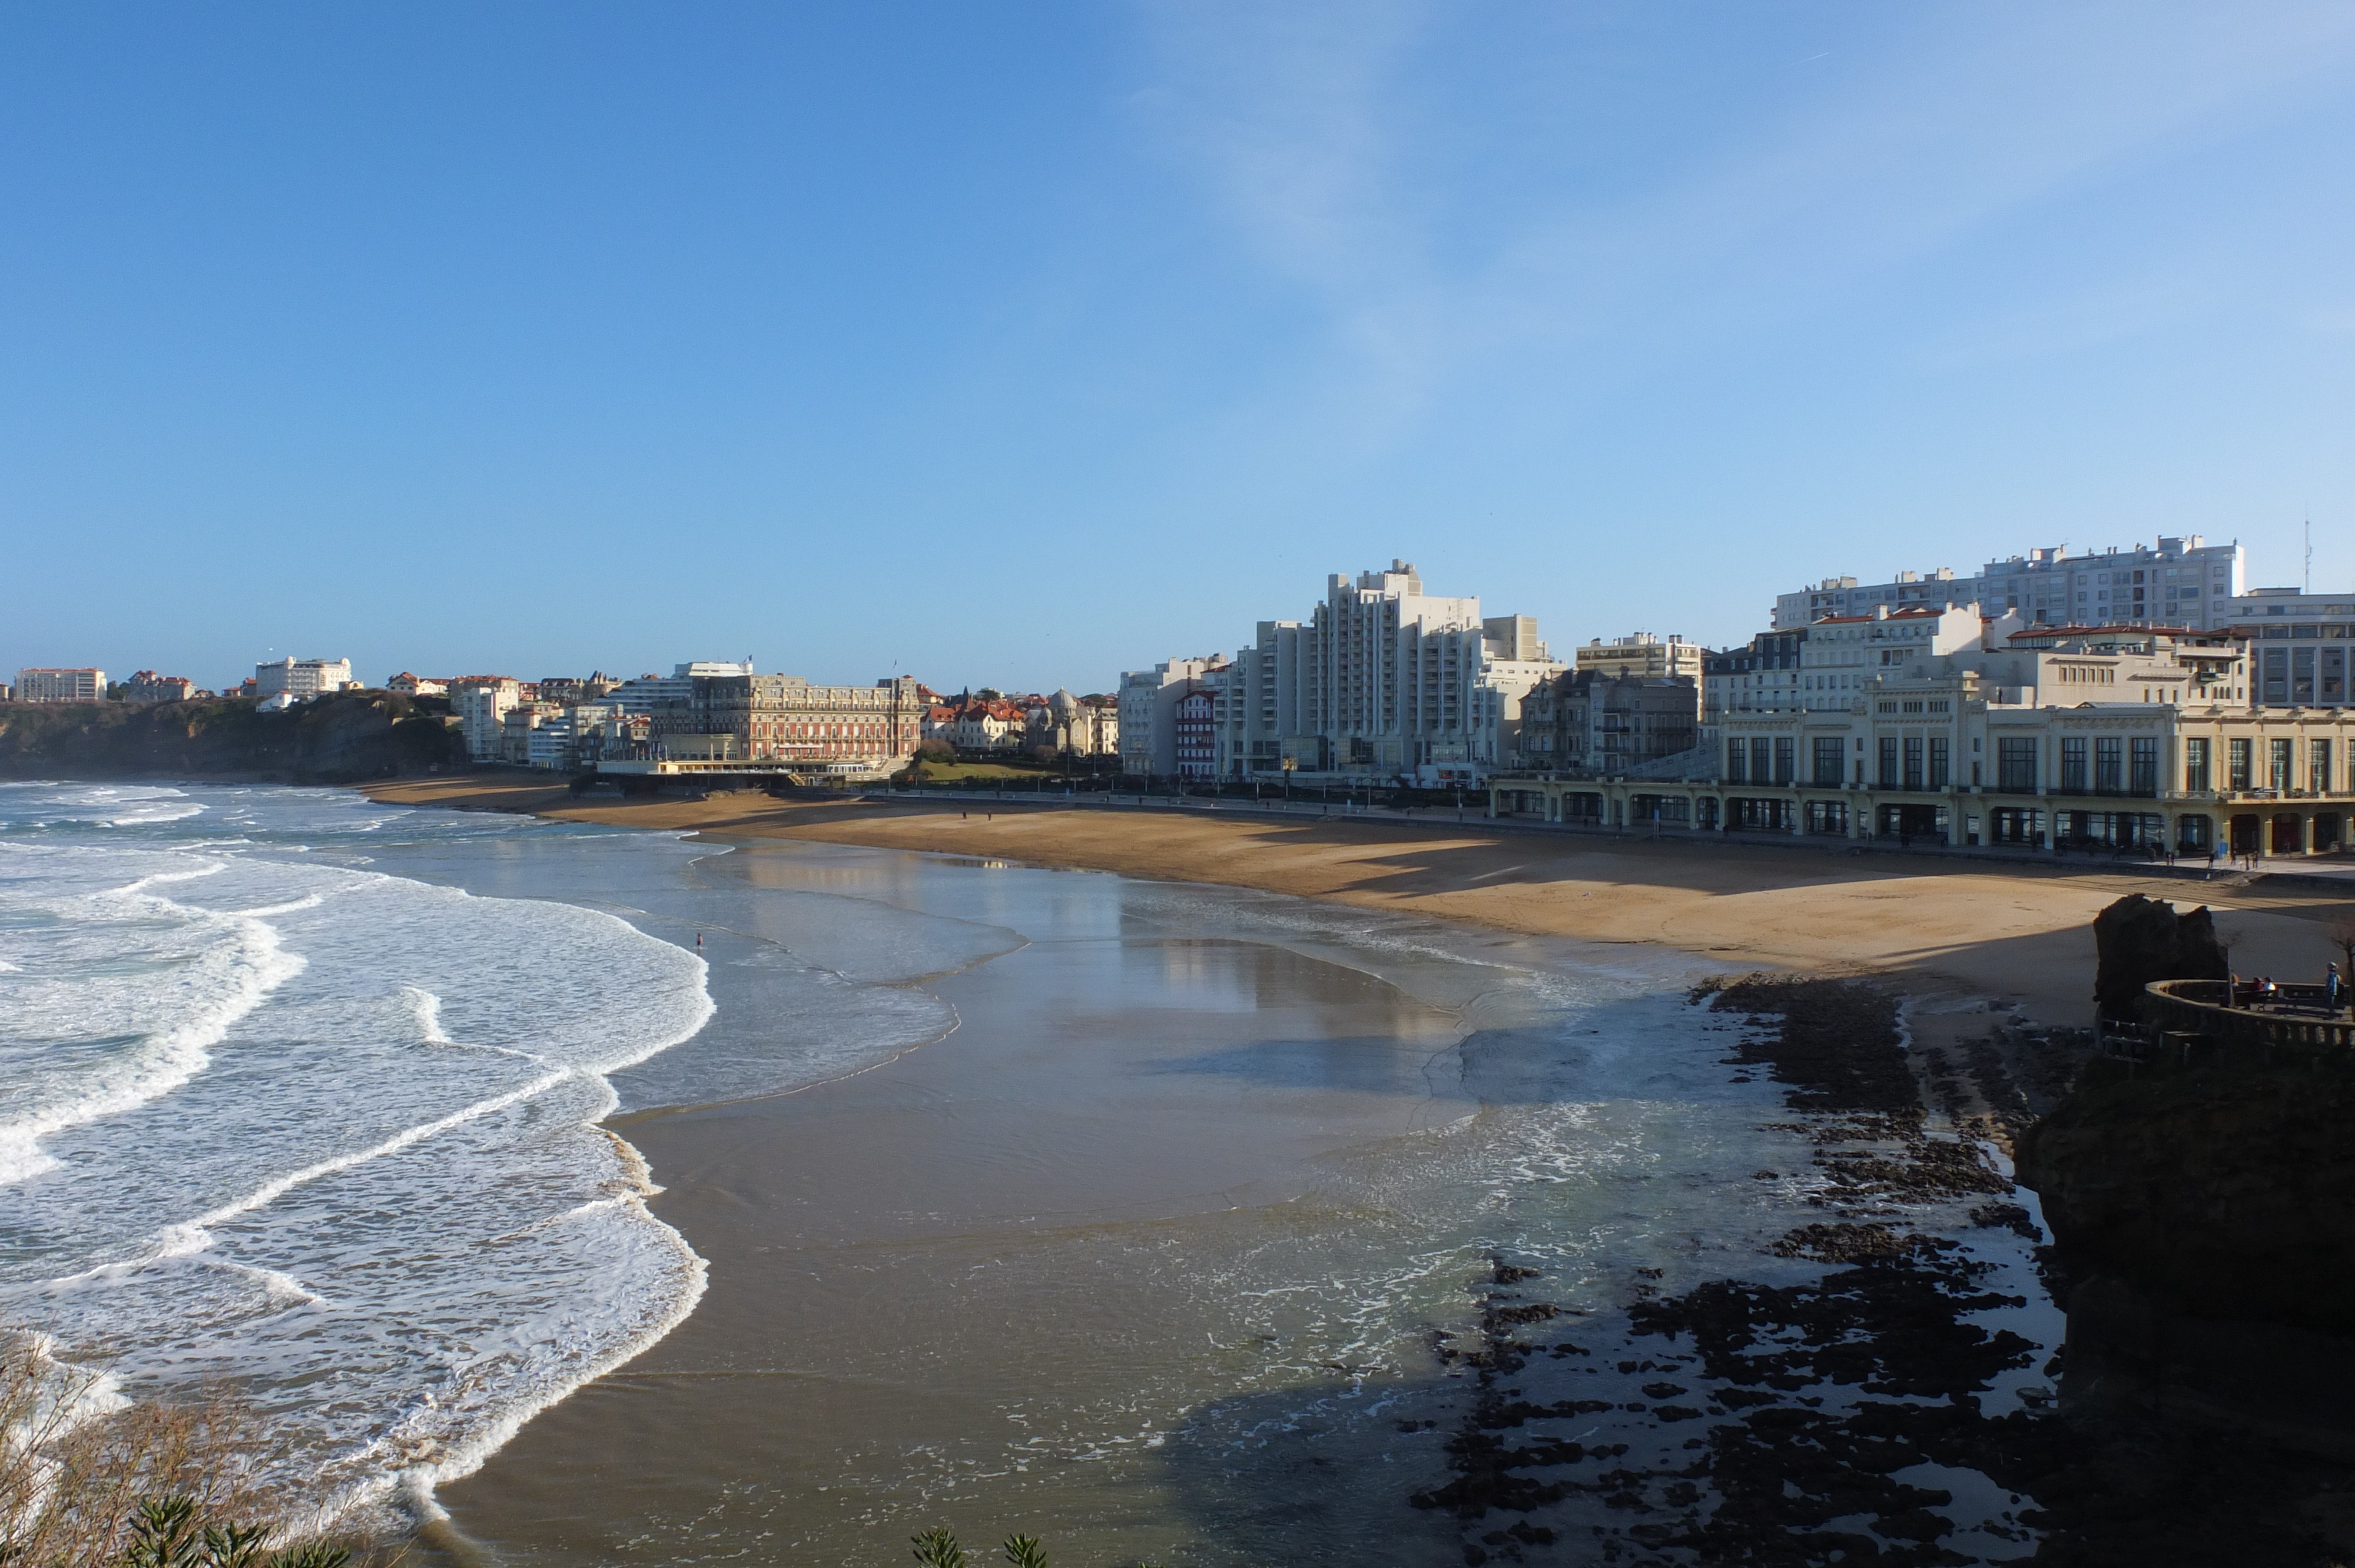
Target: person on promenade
x: 2334, y: 986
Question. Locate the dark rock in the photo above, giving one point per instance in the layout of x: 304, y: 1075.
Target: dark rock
x: 2138, y: 940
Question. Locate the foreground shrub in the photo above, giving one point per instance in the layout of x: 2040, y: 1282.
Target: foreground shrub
x: 87, y: 1478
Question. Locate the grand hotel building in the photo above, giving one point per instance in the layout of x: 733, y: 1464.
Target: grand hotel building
x: 785, y: 720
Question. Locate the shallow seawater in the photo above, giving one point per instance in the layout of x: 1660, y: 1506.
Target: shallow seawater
x: 272, y: 1117
x: 815, y: 1195
x: 1156, y: 1254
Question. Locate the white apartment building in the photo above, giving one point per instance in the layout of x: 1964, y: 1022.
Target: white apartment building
x: 60, y: 685
x: 1762, y: 676
x: 1844, y: 653
x: 646, y: 692
x: 482, y: 703
x: 1149, y: 712
x: 302, y: 678
x: 2176, y: 581
x: 1645, y: 656
x: 1396, y: 683
x: 1382, y: 681
x: 2301, y: 646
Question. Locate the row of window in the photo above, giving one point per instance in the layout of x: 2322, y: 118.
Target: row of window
x: 2094, y: 765
x: 2279, y: 758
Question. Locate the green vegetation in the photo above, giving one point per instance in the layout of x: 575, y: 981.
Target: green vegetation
x: 168, y: 1533
x: 938, y: 1547
x: 928, y: 772
x: 136, y: 1486
x: 330, y: 740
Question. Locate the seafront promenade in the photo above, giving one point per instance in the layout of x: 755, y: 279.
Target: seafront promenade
x: 2222, y: 871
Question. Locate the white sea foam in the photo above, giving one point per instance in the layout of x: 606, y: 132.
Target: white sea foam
x: 223, y: 968
x: 324, y: 1132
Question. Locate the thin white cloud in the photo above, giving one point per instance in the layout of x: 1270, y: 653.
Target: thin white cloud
x: 1302, y: 124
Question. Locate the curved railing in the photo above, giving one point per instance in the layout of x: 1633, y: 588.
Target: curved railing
x: 2237, y: 1013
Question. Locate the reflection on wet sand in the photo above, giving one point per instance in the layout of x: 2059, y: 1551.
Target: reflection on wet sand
x: 1174, y: 1249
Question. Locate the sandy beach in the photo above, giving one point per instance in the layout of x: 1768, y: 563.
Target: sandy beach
x: 1213, y: 1226
x: 2016, y: 932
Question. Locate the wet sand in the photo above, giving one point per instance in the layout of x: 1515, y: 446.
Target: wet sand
x: 1163, y: 1251
x: 2018, y: 932
x: 1143, y: 1258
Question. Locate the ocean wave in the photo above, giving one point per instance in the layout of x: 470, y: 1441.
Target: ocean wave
x: 326, y: 1132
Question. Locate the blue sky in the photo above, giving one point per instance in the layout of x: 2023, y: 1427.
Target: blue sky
x: 1020, y: 344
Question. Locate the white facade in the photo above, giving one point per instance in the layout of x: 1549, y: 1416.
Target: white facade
x: 60, y: 685
x: 1644, y: 656
x: 2182, y: 581
x: 1148, y: 707
x: 1397, y: 682
x: 2301, y: 646
x: 1843, y: 654
x: 302, y: 678
x: 1383, y: 680
x: 646, y: 692
x: 482, y: 703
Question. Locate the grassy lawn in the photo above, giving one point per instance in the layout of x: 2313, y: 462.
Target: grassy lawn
x: 988, y: 772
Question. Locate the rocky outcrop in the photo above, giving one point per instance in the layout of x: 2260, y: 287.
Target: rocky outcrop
x: 331, y: 740
x: 2226, y: 1191
x: 2203, y: 1210
x: 2138, y: 940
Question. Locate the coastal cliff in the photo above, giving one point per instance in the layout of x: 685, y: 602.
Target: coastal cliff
x: 330, y: 740
x: 2203, y: 1216
x: 2226, y: 1193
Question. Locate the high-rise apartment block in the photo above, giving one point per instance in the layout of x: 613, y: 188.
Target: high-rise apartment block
x: 1381, y: 681
x: 2184, y: 582
x: 60, y: 685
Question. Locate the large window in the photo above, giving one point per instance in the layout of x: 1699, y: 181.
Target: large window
x: 2277, y: 776
x: 2015, y: 761
x: 1760, y: 751
x: 1827, y: 750
x: 2142, y: 763
x: 1941, y: 762
x: 2010, y: 826
x: 2240, y: 774
x: 2318, y: 767
x: 1785, y: 746
x: 2074, y: 781
x: 1912, y: 762
x: 1888, y: 762
x: 1737, y: 761
x: 2109, y: 765
x: 2196, y: 767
